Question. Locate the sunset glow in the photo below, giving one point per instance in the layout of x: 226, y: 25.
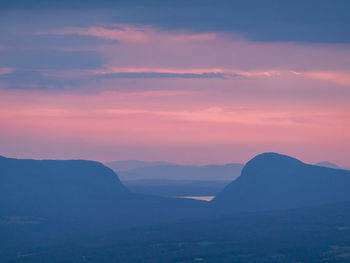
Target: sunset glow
x: 135, y: 89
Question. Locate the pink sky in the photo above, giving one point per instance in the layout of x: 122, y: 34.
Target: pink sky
x: 283, y: 97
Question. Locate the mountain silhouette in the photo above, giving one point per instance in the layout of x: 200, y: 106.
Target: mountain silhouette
x: 275, y: 181
x: 82, y: 195
x: 328, y: 164
x: 56, y: 187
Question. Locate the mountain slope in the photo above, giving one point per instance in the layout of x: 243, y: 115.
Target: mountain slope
x: 328, y: 164
x: 275, y: 181
x: 53, y: 188
x: 80, y: 194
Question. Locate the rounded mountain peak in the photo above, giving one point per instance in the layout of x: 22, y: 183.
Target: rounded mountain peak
x: 267, y: 164
x: 273, y: 158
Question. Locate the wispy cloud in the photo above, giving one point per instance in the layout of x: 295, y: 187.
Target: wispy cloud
x: 4, y: 71
x: 337, y: 77
x: 133, y: 34
x: 154, y: 72
x: 2, y: 48
x: 195, y: 71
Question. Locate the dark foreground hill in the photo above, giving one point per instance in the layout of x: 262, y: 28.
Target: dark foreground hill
x: 274, y: 181
x: 77, y: 194
x: 54, y: 188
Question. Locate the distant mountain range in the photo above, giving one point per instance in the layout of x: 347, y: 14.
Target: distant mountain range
x: 136, y: 170
x: 119, y: 166
x: 329, y: 165
x: 274, y: 181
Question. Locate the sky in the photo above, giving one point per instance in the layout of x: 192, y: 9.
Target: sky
x: 191, y: 82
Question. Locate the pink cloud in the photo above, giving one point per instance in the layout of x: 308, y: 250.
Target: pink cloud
x: 145, y: 49
x: 4, y: 71
x: 291, y: 98
x: 131, y: 33
x: 152, y: 119
x: 161, y: 49
x: 2, y: 48
x: 252, y: 73
x: 340, y: 77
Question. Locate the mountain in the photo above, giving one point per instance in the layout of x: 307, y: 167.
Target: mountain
x: 226, y: 172
x: 56, y: 187
x: 49, y: 209
x: 119, y: 166
x: 275, y: 181
x: 328, y: 164
x: 77, y: 194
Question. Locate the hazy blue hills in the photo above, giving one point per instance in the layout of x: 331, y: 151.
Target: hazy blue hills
x: 167, y: 179
x: 173, y: 188
x: 328, y: 164
x: 274, y: 181
x: 119, y: 166
x: 226, y: 172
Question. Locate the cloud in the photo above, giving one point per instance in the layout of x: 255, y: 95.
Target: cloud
x: 151, y: 75
x: 145, y: 52
x: 35, y: 59
x: 133, y: 34
x: 3, y: 48
x: 4, y: 71
x: 34, y: 79
x: 107, y: 72
x: 199, y: 71
x: 340, y: 77
x: 113, y: 72
x: 126, y: 77
x: 299, y: 21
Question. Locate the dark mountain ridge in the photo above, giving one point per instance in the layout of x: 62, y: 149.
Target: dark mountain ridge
x: 82, y: 195
x: 54, y: 187
x: 275, y: 181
